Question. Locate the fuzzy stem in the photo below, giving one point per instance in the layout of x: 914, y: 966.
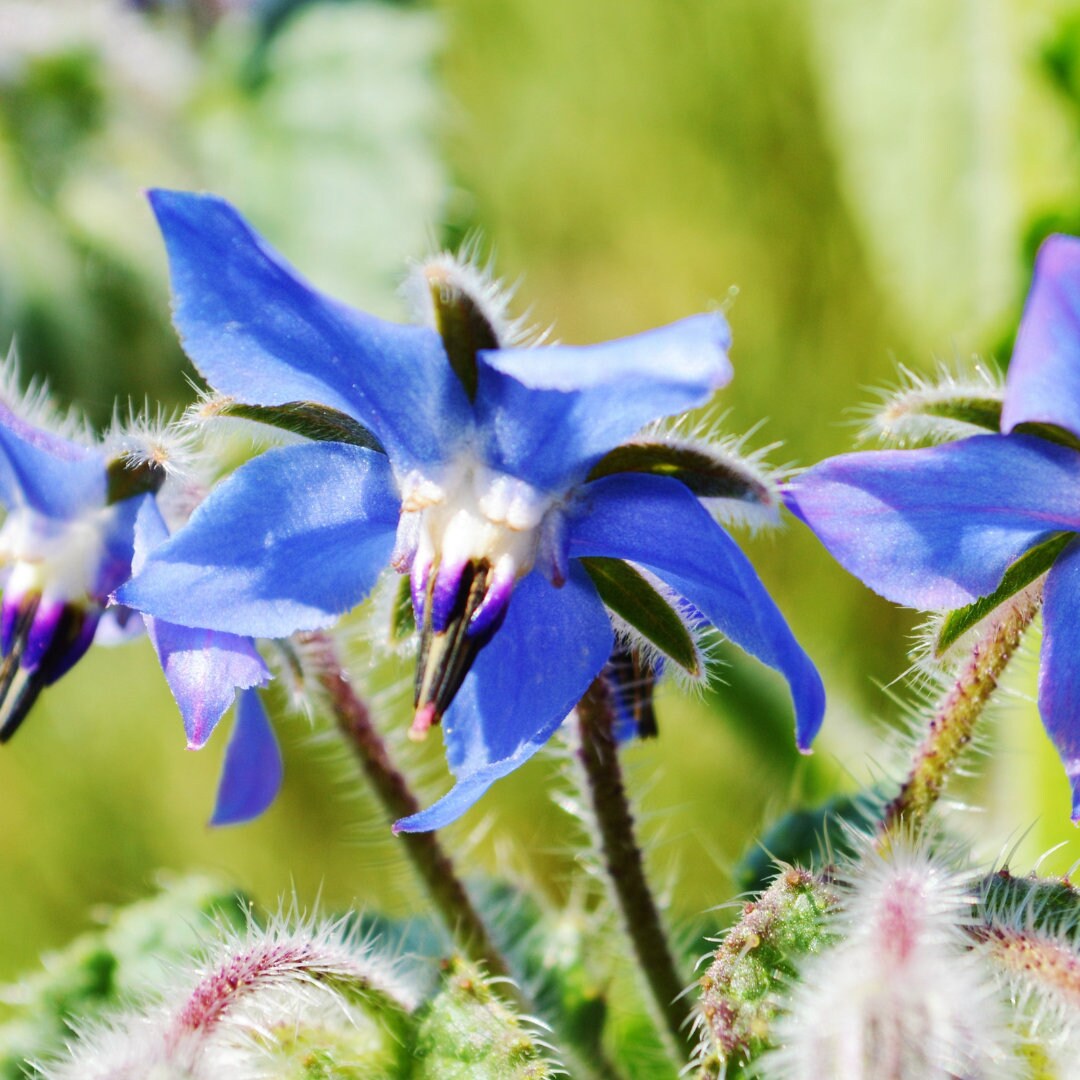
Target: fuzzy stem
x: 431, y: 862
x: 1035, y: 958
x: 598, y: 754
x: 953, y: 722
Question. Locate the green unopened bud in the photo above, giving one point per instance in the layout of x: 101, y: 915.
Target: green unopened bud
x: 468, y: 1033
x: 757, y: 958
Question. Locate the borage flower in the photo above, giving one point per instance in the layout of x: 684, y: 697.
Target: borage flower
x: 79, y: 512
x: 938, y: 528
x: 492, y: 475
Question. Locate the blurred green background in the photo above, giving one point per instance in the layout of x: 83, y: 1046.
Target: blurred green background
x: 856, y: 184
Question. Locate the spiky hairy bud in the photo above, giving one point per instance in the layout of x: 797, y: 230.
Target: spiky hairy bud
x: 1028, y: 929
x: 742, y: 988
x: 258, y: 1005
x: 899, y: 996
x: 468, y: 1033
x: 104, y: 967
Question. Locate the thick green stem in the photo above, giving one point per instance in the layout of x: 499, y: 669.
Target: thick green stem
x: 952, y: 724
x: 598, y: 753
x: 425, y: 852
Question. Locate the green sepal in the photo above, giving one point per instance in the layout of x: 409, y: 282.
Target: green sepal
x: 305, y: 418
x: 124, y: 479
x: 1022, y: 573
x: 628, y: 593
x: 462, y: 325
x: 402, y: 615
x: 708, y: 476
x: 984, y: 412
x: 1049, y: 432
x: 1046, y: 905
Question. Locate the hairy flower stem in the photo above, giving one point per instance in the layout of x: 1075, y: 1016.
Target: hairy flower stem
x: 953, y: 722
x: 599, y: 757
x: 1035, y: 958
x: 425, y: 852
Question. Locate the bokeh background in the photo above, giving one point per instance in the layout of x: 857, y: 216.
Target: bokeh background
x: 858, y: 185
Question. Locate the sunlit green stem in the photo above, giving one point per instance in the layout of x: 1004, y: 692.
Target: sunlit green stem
x: 599, y: 757
x: 431, y: 862
x: 952, y: 724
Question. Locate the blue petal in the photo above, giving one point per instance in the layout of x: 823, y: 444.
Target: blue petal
x: 658, y: 523
x: 1059, y: 673
x: 204, y: 668
x: 1044, y: 373
x: 290, y: 541
x: 534, y: 671
x: 258, y: 332
x: 52, y: 475
x: 547, y: 414
x: 251, y: 776
x: 937, y: 528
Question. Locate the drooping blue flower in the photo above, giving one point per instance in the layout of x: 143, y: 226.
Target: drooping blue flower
x: 937, y: 528
x: 476, y: 468
x: 78, y: 515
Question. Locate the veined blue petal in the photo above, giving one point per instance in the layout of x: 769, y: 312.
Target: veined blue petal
x: 658, y: 523
x: 1044, y: 373
x: 290, y: 541
x: 204, y: 668
x: 520, y: 689
x: 54, y: 476
x: 547, y: 414
x: 251, y: 776
x: 258, y: 332
x: 1059, y: 673
x: 937, y: 528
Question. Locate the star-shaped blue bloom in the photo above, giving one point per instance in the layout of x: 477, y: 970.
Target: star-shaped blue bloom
x: 476, y: 483
x: 77, y: 519
x: 937, y: 528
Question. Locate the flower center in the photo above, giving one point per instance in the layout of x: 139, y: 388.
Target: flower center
x: 466, y: 541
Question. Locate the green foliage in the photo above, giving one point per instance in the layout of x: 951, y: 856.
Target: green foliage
x: 103, y: 968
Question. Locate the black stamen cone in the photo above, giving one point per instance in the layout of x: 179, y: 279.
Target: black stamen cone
x: 446, y: 657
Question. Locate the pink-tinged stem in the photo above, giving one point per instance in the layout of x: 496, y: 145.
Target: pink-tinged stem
x: 598, y: 753
x: 952, y: 724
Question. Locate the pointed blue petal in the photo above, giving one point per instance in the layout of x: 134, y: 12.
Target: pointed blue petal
x: 524, y: 683
x: 549, y: 413
x: 258, y: 332
x: 52, y: 475
x: 937, y: 528
x: 290, y: 541
x: 1044, y: 373
x: 658, y: 523
x: 251, y: 776
x: 204, y: 668
x: 1059, y: 673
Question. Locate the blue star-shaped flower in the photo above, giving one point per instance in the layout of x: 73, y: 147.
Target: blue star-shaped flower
x: 476, y: 482
x: 77, y: 519
x: 937, y: 528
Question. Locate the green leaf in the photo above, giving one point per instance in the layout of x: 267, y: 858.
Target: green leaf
x: 708, y: 476
x: 305, y: 418
x: 627, y: 592
x: 1022, y: 573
